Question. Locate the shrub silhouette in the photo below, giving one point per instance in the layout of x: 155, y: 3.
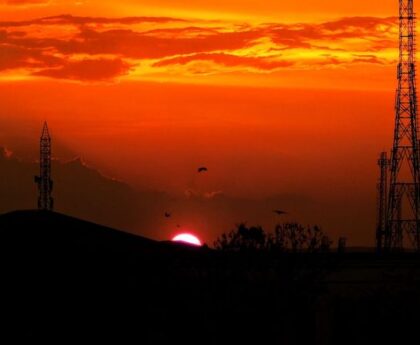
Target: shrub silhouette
x: 298, y: 238
x: 290, y: 237
x: 242, y: 238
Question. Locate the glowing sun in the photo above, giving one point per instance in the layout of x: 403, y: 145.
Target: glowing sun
x: 187, y: 238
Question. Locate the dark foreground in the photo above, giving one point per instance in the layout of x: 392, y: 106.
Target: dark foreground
x: 63, y: 280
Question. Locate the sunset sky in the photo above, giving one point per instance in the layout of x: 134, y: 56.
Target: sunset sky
x: 276, y: 97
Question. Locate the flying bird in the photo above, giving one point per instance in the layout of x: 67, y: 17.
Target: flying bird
x: 280, y: 212
x: 202, y: 169
x: 168, y: 215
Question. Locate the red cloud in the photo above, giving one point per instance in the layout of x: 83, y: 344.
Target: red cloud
x: 300, y: 35
x: 144, y: 46
x: 12, y: 56
x: 365, y: 23
x: 88, y: 70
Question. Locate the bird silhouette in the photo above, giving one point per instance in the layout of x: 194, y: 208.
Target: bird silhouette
x: 202, y: 169
x: 167, y: 215
x: 280, y: 212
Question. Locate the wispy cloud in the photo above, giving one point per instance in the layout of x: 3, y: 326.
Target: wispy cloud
x: 87, y: 70
x: 228, y: 60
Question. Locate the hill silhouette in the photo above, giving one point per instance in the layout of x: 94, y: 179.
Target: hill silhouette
x: 63, y: 277
x: 37, y: 234
x: 46, y: 232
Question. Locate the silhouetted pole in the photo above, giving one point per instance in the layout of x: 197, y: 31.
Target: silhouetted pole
x: 44, y: 180
x: 383, y: 163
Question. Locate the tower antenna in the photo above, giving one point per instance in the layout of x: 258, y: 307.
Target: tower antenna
x: 44, y: 180
x: 402, y: 227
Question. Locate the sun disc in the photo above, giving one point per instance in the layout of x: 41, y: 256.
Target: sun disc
x: 187, y: 238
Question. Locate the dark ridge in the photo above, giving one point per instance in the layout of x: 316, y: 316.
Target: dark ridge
x: 51, y: 234
x: 64, y: 278
x: 49, y: 229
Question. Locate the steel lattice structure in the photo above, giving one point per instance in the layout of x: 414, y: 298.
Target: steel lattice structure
x: 44, y: 180
x: 402, y: 228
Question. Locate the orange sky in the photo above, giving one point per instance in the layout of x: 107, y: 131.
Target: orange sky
x: 277, y: 96
x: 313, y: 9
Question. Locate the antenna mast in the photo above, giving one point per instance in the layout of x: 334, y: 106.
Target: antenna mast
x: 402, y: 228
x: 44, y: 180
